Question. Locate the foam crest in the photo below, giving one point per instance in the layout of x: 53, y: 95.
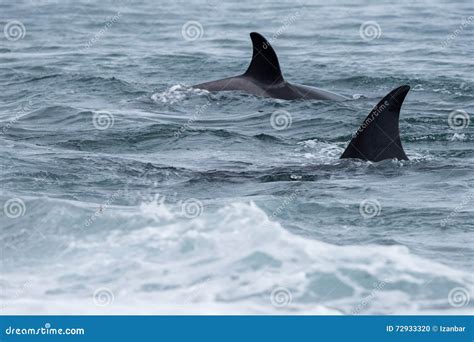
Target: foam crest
x: 176, y: 94
x: 231, y: 257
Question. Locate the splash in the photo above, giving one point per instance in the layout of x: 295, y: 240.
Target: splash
x: 232, y: 258
x: 177, y: 93
x: 319, y: 151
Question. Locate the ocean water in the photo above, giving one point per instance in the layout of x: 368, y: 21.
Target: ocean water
x: 123, y: 190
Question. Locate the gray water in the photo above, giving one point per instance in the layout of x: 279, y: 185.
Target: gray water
x: 125, y: 191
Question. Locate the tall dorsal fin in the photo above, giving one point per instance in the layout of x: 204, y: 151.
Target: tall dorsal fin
x: 264, y: 66
x: 379, y: 137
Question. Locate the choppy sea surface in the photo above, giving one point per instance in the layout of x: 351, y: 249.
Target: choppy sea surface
x: 123, y: 190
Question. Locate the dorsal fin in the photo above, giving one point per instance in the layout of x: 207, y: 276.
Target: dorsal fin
x: 379, y: 137
x: 264, y: 66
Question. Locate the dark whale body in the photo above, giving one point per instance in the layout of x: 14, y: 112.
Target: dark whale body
x: 378, y: 138
x: 264, y: 78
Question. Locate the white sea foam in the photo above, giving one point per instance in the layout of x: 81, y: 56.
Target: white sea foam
x: 176, y: 94
x: 227, y: 260
x: 319, y: 151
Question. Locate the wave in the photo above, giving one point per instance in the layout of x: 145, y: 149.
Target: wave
x: 231, y: 257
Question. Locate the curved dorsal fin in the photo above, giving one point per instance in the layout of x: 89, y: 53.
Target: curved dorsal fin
x: 264, y: 66
x: 379, y: 137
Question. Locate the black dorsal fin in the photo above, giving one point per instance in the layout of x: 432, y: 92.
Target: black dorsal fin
x: 379, y: 137
x: 264, y: 66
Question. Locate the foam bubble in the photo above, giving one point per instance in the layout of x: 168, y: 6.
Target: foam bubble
x: 319, y: 151
x: 176, y: 94
x: 233, y: 258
